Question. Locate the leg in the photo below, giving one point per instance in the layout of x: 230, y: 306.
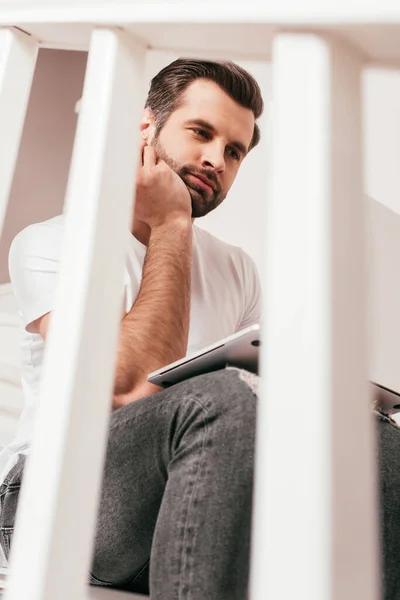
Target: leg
x: 9, y: 494
x: 177, y: 489
x: 389, y: 473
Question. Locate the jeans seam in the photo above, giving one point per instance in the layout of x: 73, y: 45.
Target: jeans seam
x: 184, y: 553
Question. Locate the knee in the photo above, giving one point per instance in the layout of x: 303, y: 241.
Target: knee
x: 227, y: 400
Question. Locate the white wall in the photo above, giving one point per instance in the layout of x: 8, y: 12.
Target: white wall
x: 382, y: 136
x: 37, y: 194
x: 40, y: 177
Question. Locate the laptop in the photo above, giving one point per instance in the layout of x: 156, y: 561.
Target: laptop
x: 238, y: 350
x: 383, y: 310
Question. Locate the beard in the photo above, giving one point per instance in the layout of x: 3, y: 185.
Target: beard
x: 203, y: 201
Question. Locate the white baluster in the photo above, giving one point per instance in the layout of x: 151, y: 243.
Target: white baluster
x: 18, y: 53
x: 52, y: 544
x: 316, y: 518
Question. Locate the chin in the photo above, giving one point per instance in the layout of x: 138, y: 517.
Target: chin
x: 199, y: 206
x: 198, y: 212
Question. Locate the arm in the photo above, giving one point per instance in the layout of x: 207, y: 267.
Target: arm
x: 155, y: 331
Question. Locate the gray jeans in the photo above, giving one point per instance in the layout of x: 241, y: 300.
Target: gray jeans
x: 176, y: 499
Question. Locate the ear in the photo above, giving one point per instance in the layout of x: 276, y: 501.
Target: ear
x: 147, y: 126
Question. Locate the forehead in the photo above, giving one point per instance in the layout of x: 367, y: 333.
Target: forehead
x: 205, y: 100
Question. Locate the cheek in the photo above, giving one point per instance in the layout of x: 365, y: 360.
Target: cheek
x: 179, y: 146
x: 229, y: 177
x: 189, y: 148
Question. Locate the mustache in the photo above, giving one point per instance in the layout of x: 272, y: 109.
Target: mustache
x: 192, y: 170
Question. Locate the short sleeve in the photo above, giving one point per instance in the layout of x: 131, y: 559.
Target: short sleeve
x: 33, y: 262
x: 252, y: 293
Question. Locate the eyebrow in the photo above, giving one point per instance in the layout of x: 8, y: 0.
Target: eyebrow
x: 205, y: 125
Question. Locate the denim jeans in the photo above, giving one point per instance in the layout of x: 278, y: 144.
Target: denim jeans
x: 175, y: 506
x: 176, y: 497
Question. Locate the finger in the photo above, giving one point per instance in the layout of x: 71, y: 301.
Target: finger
x: 149, y: 157
x: 162, y: 164
x: 142, y: 145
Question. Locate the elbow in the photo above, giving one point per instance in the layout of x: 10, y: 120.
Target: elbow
x: 140, y: 391
x: 123, y: 384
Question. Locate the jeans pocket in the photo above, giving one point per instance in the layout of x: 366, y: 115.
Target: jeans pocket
x: 6, y: 534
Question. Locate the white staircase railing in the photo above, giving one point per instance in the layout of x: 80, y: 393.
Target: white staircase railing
x: 315, y: 494
x: 78, y: 374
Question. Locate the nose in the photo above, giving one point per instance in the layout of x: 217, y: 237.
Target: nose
x: 214, y: 157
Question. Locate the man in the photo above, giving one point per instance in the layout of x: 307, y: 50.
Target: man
x: 176, y: 497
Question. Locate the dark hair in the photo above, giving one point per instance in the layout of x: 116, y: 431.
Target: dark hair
x: 167, y: 87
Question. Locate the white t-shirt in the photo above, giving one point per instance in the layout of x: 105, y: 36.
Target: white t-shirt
x: 225, y: 298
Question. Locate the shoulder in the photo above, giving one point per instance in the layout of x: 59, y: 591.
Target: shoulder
x: 229, y: 263
x: 33, y: 264
x: 38, y: 239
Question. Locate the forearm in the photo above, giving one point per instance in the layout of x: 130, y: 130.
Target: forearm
x: 155, y: 331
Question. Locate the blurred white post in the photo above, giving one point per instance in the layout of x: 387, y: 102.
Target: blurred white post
x: 316, y: 521
x: 52, y: 547
x: 18, y: 52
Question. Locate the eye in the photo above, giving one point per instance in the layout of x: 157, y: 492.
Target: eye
x: 202, y: 133
x: 234, y: 154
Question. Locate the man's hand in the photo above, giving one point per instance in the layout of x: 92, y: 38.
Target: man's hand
x: 161, y: 195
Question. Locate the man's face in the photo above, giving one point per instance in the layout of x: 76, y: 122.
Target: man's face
x: 206, y: 138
